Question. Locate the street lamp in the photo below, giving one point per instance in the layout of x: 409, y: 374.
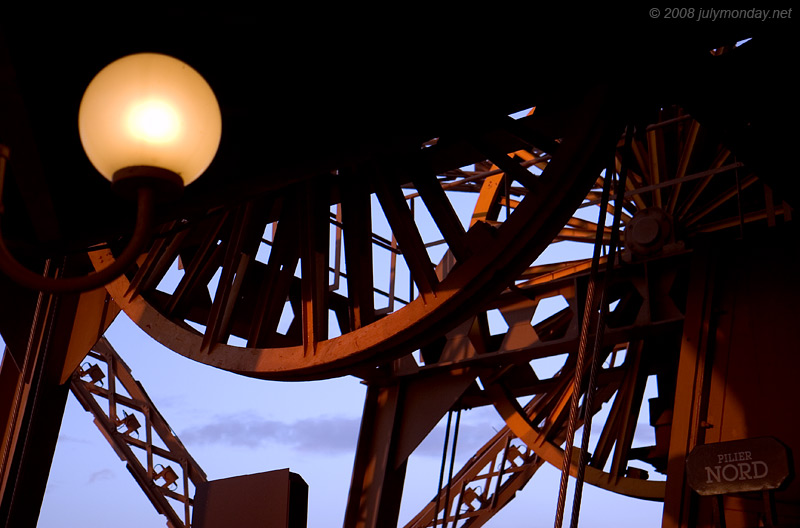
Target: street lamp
x: 150, y: 124
x: 149, y: 118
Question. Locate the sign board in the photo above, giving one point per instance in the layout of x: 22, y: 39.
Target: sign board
x: 754, y: 464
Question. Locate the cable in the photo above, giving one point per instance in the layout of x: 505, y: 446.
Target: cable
x: 441, y: 471
x: 619, y: 201
x: 588, y: 310
x: 452, y: 461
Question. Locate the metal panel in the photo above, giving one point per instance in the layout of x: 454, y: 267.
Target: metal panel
x: 275, y: 499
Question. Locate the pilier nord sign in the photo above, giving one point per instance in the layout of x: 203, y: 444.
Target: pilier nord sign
x: 754, y: 464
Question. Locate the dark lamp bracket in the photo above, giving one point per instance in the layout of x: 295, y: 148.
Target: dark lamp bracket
x: 166, y: 185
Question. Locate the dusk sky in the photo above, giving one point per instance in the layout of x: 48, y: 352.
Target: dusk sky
x: 234, y: 425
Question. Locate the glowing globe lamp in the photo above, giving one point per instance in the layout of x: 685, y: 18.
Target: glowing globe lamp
x: 149, y: 119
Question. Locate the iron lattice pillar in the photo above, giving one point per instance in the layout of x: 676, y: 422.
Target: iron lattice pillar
x: 120, y: 410
x: 397, y: 416
x: 33, y: 405
x: 47, y: 336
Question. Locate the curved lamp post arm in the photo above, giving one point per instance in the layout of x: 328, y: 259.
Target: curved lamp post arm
x: 22, y: 275
x: 149, y: 123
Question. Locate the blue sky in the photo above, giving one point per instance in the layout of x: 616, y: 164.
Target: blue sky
x: 233, y: 425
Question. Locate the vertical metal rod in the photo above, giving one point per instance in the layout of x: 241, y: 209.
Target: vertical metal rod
x: 392, y: 272
x: 619, y: 199
x: 587, y: 410
x: 441, y: 471
x: 575, y: 397
x: 149, y: 438
x: 508, y: 195
x: 579, y: 366
x: 410, y: 280
x: 337, y: 259
x: 452, y: 463
x: 112, y: 388
x: 186, y: 501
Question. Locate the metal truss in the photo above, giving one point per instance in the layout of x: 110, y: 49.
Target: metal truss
x: 486, y: 483
x: 159, y: 462
x: 507, y: 462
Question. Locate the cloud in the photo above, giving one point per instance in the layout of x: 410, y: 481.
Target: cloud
x: 324, y: 434
x: 321, y: 435
x: 74, y: 439
x: 334, y: 434
x: 103, y: 474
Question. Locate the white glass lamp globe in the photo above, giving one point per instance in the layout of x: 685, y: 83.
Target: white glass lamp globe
x: 150, y: 114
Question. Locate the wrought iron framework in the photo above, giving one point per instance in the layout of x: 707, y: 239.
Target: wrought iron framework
x: 159, y: 462
x: 646, y: 302
x: 301, y: 250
